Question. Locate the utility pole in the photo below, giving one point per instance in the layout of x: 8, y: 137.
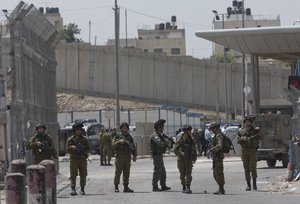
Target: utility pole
x: 225, y: 74
x: 90, y: 25
x: 243, y: 63
x: 126, y: 28
x: 117, y: 27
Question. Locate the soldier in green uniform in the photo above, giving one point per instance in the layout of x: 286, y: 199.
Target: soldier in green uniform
x: 102, y: 132
x: 216, y: 152
x: 185, y: 149
x: 42, y: 145
x: 159, y: 143
x: 248, y: 138
x: 124, y: 148
x: 107, y: 147
x: 79, y: 148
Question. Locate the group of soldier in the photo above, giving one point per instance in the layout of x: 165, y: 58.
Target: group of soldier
x: 123, y: 146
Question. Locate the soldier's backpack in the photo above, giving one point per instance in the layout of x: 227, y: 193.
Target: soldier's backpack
x: 227, y: 144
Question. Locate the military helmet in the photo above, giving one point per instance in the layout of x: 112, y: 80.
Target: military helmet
x: 159, y: 124
x: 77, y: 125
x: 40, y: 125
x: 186, y: 128
x: 214, y: 125
x: 251, y: 119
x: 124, y: 124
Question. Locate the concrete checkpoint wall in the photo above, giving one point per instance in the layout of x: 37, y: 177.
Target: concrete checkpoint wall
x: 157, y: 78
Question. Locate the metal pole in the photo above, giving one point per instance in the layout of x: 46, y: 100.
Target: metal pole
x: 225, y: 76
x: 243, y: 63
x: 116, y: 9
x: 126, y: 28
x: 90, y: 23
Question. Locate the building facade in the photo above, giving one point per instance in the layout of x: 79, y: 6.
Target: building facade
x: 164, y: 38
x: 233, y: 19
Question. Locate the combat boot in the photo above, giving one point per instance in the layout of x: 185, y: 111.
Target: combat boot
x: 117, y: 188
x: 127, y: 189
x: 183, y: 189
x: 220, y: 191
x: 73, y: 192
x: 82, y: 192
x: 248, y: 188
x: 254, y: 185
x: 165, y: 188
x: 188, y: 189
x: 156, y: 189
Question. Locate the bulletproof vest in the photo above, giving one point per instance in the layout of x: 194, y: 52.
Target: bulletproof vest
x: 157, y: 144
x: 188, y: 147
x: 252, y: 137
x: 128, y: 146
x: 44, y: 150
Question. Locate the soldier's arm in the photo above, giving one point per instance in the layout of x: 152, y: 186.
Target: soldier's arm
x: 177, y: 148
x: 52, y: 147
x: 160, y: 143
x: 31, y: 143
x: 87, y: 146
x: 219, y: 145
x: 69, y: 145
x: 115, y: 142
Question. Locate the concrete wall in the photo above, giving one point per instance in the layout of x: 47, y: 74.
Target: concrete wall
x: 153, y: 77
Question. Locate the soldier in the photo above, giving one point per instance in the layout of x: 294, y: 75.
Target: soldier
x: 107, y: 147
x: 79, y: 148
x: 102, y: 132
x: 158, y: 146
x: 196, y: 136
x: 42, y: 145
x: 124, y: 148
x: 248, y: 138
x: 185, y: 149
x: 217, y: 155
x: 203, y: 141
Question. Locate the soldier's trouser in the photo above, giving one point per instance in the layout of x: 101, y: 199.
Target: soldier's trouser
x: 122, y: 163
x: 101, y: 154
x: 78, y: 164
x: 159, y: 171
x: 107, y: 152
x: 249, y: 158
x: 185, y: 169
x: 218, y: 171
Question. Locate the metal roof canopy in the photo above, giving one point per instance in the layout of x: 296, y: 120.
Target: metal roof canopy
x: 281, y: 43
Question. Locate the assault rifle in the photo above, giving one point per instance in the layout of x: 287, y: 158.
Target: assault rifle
x: 169, y: 141
x: 130, y: 144
x: 81, y: 151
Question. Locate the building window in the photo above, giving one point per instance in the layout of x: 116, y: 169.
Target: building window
x: 175, y: 51
x: 145, y: 50
x: 158, y: 50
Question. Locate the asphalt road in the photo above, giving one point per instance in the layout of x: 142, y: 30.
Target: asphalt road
x: 100, y: 187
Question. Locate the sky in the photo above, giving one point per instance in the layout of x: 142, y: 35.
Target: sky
x: 193, y: 15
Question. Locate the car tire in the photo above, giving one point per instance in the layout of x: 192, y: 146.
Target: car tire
x: 271, y: 162
x: 285, y: 160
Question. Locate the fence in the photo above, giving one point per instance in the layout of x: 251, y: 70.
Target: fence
x: 176, y: 117
x: 30, y: 56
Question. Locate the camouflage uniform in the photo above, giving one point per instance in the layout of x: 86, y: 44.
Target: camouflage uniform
x: 46, y: 151
x: 107, y: 148
x: 185, y: 149
x: 78, y: 159
x: 101, y: 147
x: 248, y: 138
x: 123, y: 154
x: 217, y: 157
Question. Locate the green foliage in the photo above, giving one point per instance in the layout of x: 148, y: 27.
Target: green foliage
x: 69, y: 33
x: 220, y: 57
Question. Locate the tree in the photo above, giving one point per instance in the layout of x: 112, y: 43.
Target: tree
x: 69, y: 32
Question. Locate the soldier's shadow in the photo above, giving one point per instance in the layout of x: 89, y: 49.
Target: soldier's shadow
x: 142, y: 192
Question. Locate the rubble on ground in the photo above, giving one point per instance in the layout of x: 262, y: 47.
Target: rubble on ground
x: 280, y: 185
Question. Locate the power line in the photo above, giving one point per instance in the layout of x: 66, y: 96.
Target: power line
x: 184, y: 24
x: 87, y: 8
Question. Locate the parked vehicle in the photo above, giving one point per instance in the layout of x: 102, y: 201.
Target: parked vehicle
x: 91, y: 129
x: 276, y: 132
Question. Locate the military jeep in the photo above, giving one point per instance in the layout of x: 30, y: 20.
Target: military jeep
x: 276, y: 132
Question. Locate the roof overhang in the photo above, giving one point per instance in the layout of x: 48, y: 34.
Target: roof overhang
x: 281, y: 43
